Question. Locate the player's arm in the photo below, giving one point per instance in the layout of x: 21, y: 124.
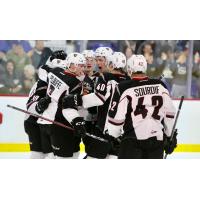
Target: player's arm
x: 117, y: 113
x: 70, y: 112
x: 43, y: 74
x: 99, y: 96
x: 43, y: 100
x: 38, y: 101
x: 170, y: 112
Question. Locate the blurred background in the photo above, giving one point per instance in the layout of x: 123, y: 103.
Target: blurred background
x: 177, y: 60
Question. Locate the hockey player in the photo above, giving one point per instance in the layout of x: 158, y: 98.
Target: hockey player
x: 90, y: 114
x: 144, y: 109
x: 100, y: 147
x: 40, y: 145
x: 103, y: 57
x: 65, y: 143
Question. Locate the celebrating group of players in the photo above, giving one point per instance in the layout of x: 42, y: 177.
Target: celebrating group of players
x: 105, y: 101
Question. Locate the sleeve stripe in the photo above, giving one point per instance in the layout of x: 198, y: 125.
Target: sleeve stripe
x: 115, y: 121
x: 29, y: 104
x: 116, y: 124
x: 170, y: 116
x: 101, y: 97
x: 42, y: 88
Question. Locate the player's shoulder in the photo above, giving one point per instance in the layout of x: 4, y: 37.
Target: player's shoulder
x: 155, y: 81
x: 56, y: 70
x: 124, y: 77
x: 137, y: 83
x: 40, y: 84
x: 107, y: 76
x: 124, y: 85
x: 46, y: 68
x: 70, y: 79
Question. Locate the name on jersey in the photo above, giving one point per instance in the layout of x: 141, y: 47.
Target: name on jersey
x: 55, y: 82
x: 146, y: 90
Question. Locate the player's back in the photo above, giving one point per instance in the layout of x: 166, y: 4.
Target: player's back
x: 145, y: 101
x: 60, y: 83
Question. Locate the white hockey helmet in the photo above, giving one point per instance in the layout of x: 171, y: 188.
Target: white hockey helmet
x: 137, y: 63
x: 104, y: 52
x: 88, y: 54
x: 75, y: 58
x: 118, y: 60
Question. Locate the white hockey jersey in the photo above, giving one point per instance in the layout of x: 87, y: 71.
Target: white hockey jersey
x: 142, y: 108
x: 60, y: 83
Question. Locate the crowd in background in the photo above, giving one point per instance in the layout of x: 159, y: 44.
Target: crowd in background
x: 20, y: 60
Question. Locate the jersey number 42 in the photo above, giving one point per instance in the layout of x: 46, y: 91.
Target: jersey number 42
x: 157, y: 101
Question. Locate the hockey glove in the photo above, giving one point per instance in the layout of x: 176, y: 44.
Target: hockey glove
x: 114, y: 144
x: 43, y: 104
x: 72, y: 101
x: 79, y: 125
x: 169, y: 146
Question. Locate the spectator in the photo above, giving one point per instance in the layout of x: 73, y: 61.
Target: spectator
x: 2, y: 63
x: 123, y: 44
x: 153, y: 69
x: 18, y: 55
x: 10, y: 79
x: 40, y: 54
x: 167, y: 63
x: 128, y: 52
x: 24, y: 43
x: 28, y: 78
x: 179, y: 87
x: 145, y: 47
x: 196, y: 72
x: 147, y: 50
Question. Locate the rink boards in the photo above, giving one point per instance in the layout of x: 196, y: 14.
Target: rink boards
x: 14, y: 139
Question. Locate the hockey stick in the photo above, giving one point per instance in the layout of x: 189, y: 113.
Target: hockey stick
x: 39, y: 116
x: 55, y: 122
x: 176, y: 119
